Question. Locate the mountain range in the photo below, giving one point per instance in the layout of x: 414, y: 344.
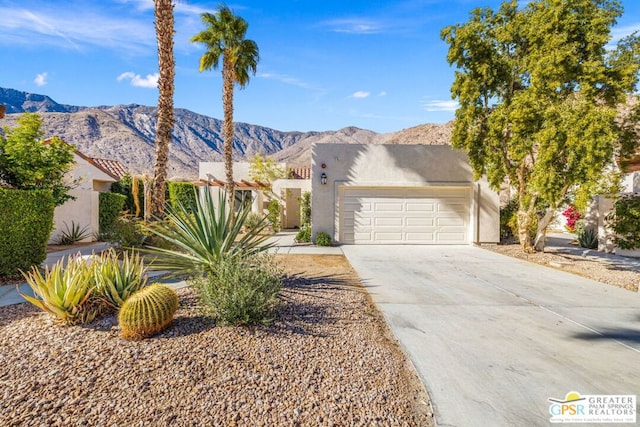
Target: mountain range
x: 127, y: 133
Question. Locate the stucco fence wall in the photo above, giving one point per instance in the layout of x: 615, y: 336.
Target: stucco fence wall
x: 596, y: 218
x: 395, y: 165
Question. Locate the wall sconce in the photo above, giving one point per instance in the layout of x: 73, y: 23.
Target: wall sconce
x: 323, y: 178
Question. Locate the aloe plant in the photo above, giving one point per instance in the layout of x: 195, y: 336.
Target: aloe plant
x: 117, y: 279
x: 203, y: 234
x: 64, y: 290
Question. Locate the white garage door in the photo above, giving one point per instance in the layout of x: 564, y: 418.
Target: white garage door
x: 431, y: 215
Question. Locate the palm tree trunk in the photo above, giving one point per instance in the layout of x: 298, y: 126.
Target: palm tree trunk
x: 166, y: 62
x: 228, y: 75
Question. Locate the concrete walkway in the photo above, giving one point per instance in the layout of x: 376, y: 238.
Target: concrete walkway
x: 285, y: 244
x: 494, y: 337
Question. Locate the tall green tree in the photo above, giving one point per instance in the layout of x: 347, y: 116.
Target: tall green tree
x: 28, y: 163
x: 166, y: 61
x: 538, y: 92
x: 224, y: 38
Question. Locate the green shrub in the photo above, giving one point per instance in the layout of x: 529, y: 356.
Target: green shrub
x: 241, y: 290
x: 182, y: 192
x: 305, y: 208
x: 65, y: 290
x: 625, y: 222
x: 125, y: 187
x: 587, y: 238
x: 253, y: 220
x: 304, y: 234
x: 198, y: 241
x: 323, y: 239
x: 111, y: 205
x: 116, y: 279
x: 72, y: 235
x: 509, y: 220
x: 127, y: 231
x: 26, y: 221
x: 148, y: 311
x: 273, y: 207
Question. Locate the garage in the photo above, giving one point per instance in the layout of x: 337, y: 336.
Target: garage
x: 407, y: 215
x: 379, y: 194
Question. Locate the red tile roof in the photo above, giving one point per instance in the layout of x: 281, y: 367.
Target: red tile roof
x: 113, y: 168
x: 300, y: 172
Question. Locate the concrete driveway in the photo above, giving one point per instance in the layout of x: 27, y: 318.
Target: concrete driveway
x: 494, y: 337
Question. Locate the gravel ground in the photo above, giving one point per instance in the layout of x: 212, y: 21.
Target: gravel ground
x: 328, y: 360
x: 610, y: 274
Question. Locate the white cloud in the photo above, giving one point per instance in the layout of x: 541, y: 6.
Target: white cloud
x: 360, y: 94
x: 41, y: 79
x: 440, y: 105
x: 619, y: 33
x: 73, y: 28
x: 150, y: 81
x: 354, y: 26
x: 383, y: 93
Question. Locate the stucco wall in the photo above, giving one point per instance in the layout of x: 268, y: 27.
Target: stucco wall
x: 397, y: 166
x: 84, y: 210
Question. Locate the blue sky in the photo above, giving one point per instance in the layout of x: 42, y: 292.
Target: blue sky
x: 324, y: 65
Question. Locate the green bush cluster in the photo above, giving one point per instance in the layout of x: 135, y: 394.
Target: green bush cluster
x: 304, y: 234
x: 625, y: 222
x: 273, y: 215
x: 509, y: 220
x: 125, y: 187
x: 26, y: 221
x: 110, y: 207
x: 182, y: 193
x: 241, y: 290
x: 323, y: 239
x: 305, y: 209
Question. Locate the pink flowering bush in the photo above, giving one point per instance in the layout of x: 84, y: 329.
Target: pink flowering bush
x: 573, y: 216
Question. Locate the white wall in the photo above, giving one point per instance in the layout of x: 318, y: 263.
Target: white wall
x: 84, y: 210
x: 396, y: 166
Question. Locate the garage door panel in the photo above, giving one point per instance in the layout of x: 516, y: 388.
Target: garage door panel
x: 405, y: 215
x: 420, y: 222
x: 385, y: 222
x: 453, y: 221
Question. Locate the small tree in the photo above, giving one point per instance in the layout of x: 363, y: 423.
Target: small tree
x: 265, y: 169
x: 538, y: 92
x: 28, y: 163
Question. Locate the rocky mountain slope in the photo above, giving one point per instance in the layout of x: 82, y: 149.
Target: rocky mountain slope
x: 127, y: 133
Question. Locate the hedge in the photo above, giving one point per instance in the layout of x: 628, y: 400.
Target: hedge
x: 181, y: 192
x: 26, y: 221
x: 111, y: 204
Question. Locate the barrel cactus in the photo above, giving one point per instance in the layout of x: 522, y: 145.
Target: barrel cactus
x: 147, y: 311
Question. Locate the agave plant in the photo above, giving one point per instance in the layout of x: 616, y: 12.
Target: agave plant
x: 65, y: 290
x: 201, y: 235
x: 117, y: 279
x: 73, y: 234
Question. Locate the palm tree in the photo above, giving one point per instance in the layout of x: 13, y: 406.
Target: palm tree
x: 224, y: 37
x: 166, y: 61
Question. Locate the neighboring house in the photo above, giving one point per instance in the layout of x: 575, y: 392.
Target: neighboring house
x: 95, y: 176
x: 400, y: 194
x: 286, y: 191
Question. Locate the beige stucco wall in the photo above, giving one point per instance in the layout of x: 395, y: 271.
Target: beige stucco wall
x: 290, y: 215
x: 397, y: 166
x: 84, y: 210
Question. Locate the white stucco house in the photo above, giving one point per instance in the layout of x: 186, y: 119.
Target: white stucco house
x: 95, y: 176
x: 286, y: 191
x: 400, y: 194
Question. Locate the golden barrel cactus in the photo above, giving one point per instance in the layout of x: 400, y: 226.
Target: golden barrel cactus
x: 147, y: 311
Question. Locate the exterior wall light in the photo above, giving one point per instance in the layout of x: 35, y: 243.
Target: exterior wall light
x: 323, y: 178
